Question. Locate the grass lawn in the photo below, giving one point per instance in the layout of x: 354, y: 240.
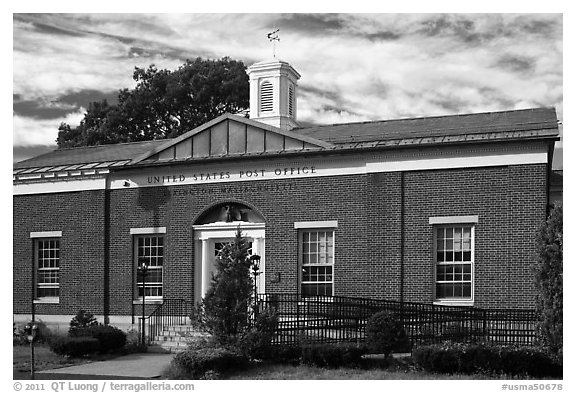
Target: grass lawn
x: 44, y: 359
x: 303, y: 372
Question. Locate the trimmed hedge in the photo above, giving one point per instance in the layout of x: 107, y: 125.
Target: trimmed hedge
x: 74, y: 346
x: 478, y: 358
x: 333, y: 355
x: 110, y: 338
x: 208, y: 362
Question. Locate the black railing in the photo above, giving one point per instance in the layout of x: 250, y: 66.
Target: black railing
x: 332, y: 319
x: 171, y: 312
x: 337, y: 319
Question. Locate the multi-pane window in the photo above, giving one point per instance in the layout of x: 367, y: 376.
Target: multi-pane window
x: 48, y: 268
x: 150, y: 249
x: 454, y: 259
x: 317, y: 263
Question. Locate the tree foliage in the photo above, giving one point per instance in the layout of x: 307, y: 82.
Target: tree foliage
x: 164, y: 104
x: 226, y: 307
x: 549, y: 281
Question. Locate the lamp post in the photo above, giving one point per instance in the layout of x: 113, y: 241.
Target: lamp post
x: 143, y: 270
x: 255, y: 261
x: 31, y: 331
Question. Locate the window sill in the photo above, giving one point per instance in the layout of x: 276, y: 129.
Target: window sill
x: 148, y: 301
x: 463, y: 303
x: 53, y: 300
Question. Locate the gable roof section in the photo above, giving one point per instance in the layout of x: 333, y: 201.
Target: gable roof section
x: 230, y: 135
x: 452, y: 128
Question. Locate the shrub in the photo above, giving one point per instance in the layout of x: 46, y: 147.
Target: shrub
x: 549, y: 281
x: 81, y: 320
x: 200, y: 362
x: 385, y: 334
x: 133, y: 344
x: 109, y: 337
x: 74, y: 346
x: 257, y: 342
x: 478, y: 358
x: 332, y: 355
x: 43, y: 333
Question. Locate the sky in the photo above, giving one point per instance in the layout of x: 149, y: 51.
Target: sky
x: 354, y: 67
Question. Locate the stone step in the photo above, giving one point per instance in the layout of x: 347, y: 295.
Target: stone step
x: 190, y: 333
x: 161, y: 338
x: 180, y: 328
x: 172, y: 346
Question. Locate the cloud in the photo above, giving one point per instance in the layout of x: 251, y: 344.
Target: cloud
x: 30, y: 131
x: 354, y: 67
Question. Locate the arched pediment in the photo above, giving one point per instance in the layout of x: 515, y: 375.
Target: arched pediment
x: 227, y: 212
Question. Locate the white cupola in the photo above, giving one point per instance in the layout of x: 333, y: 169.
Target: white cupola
x: 273, y: 93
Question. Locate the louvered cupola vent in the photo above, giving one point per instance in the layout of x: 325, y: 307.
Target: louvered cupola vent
x: 291, y: 101
x: 266, y: 97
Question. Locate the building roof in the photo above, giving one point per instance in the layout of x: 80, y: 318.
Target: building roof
x: 92, y: 154
x: 438, y: 126
x: 477, y: 127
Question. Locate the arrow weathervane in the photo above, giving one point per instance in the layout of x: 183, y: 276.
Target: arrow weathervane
x: 273, y: 37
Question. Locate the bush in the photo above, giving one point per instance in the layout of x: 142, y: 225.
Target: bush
x: 257, y: 342
x: 477, y: 358
x: 332, y: 355
x: 208, y: 361
x: 43, y: 333
x: 74, y: 346
x: 109, y: 337
x: 385, y: 334
x: 549, y: 281
x: 82, y: 320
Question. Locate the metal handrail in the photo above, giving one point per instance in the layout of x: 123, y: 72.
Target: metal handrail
x: 171, y: 312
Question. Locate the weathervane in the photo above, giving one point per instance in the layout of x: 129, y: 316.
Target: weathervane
x: 273, y: 37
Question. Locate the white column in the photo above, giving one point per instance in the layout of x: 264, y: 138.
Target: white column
x: 258, y: 248
x: 206, y: 261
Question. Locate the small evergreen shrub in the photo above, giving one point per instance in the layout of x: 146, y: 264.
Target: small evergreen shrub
x: 208, y: 361
x: 385, y: 334
x: 478, y: 358
x: 81, y: 320
x: 332, y: 355
x: 74, y: 346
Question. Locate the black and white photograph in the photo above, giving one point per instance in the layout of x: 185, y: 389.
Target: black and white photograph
x: 201, y: 198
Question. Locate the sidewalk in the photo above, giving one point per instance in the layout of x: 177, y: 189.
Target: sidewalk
x: 134, y: 366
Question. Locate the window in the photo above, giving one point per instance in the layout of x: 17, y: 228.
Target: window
x: 150, y: 249
x: 454, y: 257
x: 47, y: 268
x: 266, y: 97
x: 317, y: 256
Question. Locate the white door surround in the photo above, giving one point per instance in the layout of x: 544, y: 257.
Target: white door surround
x: 205, y: 237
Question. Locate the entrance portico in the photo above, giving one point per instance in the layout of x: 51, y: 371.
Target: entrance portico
x: 210, y: 236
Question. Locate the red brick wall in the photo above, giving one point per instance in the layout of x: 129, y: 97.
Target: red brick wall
x: 510, y: 203
x: 80, y: 217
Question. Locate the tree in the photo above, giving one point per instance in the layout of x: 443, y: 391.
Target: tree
x: 225, y: 310
x: 548, y: 274
x: 163, y: 104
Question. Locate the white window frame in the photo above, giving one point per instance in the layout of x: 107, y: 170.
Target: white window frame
x: 309, y: 227
x: 454, y: 222
x: 142, y: 233
x: 38, y: 237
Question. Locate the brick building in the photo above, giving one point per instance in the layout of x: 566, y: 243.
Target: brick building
x: 436, y: 210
